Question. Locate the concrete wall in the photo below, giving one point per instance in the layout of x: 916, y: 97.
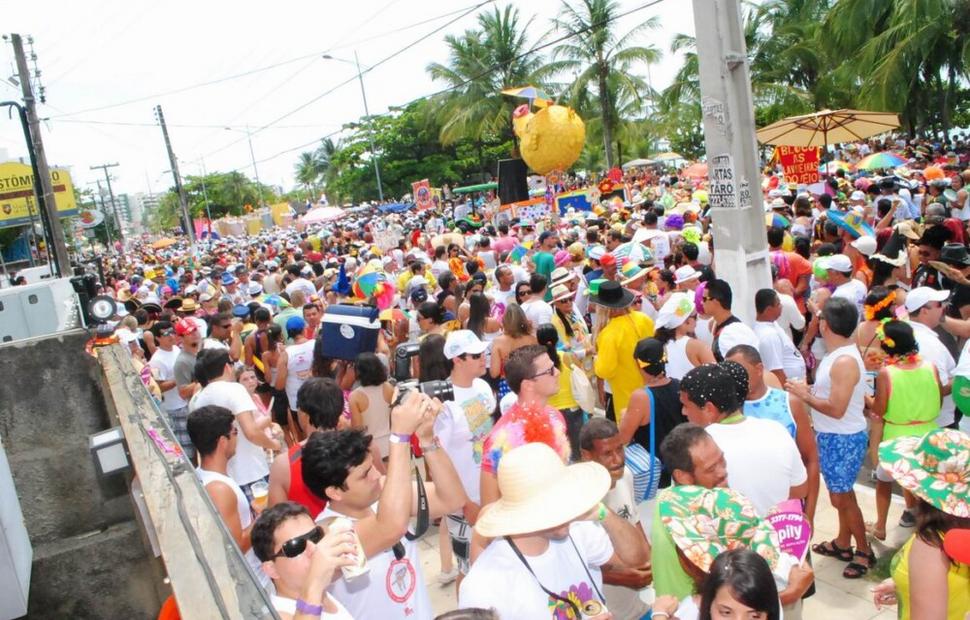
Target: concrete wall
x: 89, y: 557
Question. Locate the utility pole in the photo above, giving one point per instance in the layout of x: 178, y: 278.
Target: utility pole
x: 373, y: 150
x: 57, y: 247
x: 183, y: 199
x: 737, y: 213
x: 107, y: 231
x: 111, y: 195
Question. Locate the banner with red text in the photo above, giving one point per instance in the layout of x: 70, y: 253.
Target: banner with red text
x: 800, y: 163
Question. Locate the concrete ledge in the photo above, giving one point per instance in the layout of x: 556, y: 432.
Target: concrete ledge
x: 208, y: 574
x: 79, y: 577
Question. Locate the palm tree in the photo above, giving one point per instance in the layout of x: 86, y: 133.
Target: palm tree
x: 602, y: 60
x: 307, y: 171
x: 911, y: 55
x: 481, y: 63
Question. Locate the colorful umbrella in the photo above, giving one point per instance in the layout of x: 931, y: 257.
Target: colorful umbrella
x: 696, y: 171
x: 876, y: 161
x: 633, y: 251
x: 533, y: 94
x: 832, y: 166
x: 323, y: 214
x: 776, y: 220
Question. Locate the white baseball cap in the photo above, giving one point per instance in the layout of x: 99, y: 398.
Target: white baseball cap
x: 922, y: 295
x: 463, y: 341
x: 857, y: 195
x: 838, y: 262
x: 866, y: 244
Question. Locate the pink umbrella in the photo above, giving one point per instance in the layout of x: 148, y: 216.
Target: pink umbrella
x: 323, y: 214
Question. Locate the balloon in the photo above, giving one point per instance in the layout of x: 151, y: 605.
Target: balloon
x: 550, y: 139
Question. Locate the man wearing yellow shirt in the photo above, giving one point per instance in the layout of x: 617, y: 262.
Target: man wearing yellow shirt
x: 614, y: 345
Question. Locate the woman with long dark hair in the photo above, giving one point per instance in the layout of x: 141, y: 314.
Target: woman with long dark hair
x: 740, y: 585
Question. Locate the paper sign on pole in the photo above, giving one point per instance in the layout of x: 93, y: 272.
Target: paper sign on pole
x: 800, y: 163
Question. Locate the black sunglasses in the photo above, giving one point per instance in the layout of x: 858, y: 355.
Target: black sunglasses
x: 167, y: 332
x: 474, y: 356
x: 296, y: 546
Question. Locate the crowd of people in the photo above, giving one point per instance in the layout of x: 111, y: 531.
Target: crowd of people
x: 602, y: 436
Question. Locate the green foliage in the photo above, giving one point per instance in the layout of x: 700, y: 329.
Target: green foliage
x: 217, y: 193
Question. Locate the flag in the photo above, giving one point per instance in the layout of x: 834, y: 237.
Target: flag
x: 422, y: 194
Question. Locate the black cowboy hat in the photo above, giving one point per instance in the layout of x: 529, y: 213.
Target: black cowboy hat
x: 152, y: 307
x: 174, y: 303
x: 955, y: 254
x: 611, y: 294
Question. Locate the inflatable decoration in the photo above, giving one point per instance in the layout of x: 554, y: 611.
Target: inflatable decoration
x: 550, y: 139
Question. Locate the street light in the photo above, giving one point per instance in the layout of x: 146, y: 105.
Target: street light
x: 363, y: 94
x: 249, y: 137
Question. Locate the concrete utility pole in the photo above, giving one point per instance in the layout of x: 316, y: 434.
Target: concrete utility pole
x: 738, y: 216
x: 111, y: 195
x: 57, y: 247
x: 183, y: 199
x: 107, y: 231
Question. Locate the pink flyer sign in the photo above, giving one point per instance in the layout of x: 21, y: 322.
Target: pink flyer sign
x: 791, y: 524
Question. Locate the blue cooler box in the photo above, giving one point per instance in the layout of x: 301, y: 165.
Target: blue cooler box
x: 347, y: 331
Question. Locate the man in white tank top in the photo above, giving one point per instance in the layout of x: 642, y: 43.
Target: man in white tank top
x: 837, y: 400
x: 215, y: 437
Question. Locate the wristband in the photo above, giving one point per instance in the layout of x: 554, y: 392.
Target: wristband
x: 601, y: 513
x: 302, y: 607
x: 431, y: 447
x: 404, y: 438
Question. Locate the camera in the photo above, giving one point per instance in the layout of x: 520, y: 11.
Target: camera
x: 442, y: 389
x: 402, y: 360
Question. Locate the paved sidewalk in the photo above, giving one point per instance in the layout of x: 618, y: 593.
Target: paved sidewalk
x: 836, y: 597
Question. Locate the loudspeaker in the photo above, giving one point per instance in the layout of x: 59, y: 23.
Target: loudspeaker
x: 512, y: 183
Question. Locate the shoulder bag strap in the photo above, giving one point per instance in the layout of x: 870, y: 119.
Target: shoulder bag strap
x: 548, y: 592
x: 421, y: 526
x: 653, y: 432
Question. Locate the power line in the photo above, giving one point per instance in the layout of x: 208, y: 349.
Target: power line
x: 243, y: 74
x: 56, y: 120
x: 443, y: 91
x: 354, y: 78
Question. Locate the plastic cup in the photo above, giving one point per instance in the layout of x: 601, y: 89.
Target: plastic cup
x: 260, y: 491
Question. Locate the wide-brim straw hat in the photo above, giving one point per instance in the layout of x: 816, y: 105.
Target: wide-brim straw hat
x: 539, y: 492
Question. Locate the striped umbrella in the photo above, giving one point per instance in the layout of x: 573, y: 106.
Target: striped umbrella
x: 834, y: 165
x: 632, y: 251
x: 876, y: 161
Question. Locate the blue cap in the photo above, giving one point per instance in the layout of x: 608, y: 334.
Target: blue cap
x: 294, y: 323
x: 240, y: 310
x: 227, y: 279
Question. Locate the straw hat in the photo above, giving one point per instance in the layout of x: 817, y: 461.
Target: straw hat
x: 561, y: 275
x: 189, y: 305
x: 561, y: 291
x: 934, y: 467
x: 540, y: 492
x: 632, y: 271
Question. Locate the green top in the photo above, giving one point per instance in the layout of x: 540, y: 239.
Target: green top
x: 668, y: 576
x: 914, y: 402
x: 544, y: 263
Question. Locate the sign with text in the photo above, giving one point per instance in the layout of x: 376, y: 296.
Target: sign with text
x: 792, y: 527
x: 722, y: 193
x: 18, y: 204
x: 422, y: 194
x: 800, y: 163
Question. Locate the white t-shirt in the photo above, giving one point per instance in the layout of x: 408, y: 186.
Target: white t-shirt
x: 249, y: 463
x: 622, y: 601
x: 763, y: 462
x: 538, y: 312
x: 499, y: 580
x: 853, y: 290
x: 212, y: 343
x: 288, y: 606
x: 778, y: 351
x: 164, y: 362
x: 734, y: 334
x: 933, y: 351
x: 439, y: 267
x: 392, y: 589
x: 791, y: 317
x: 461, y: 427
x: 299, y: 360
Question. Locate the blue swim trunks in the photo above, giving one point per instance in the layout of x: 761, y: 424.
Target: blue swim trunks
x: 840, y: 459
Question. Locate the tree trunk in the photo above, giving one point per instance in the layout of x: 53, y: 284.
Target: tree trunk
x: 606, y: 112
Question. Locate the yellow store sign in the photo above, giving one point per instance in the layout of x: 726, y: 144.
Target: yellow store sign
x: 18, y: 204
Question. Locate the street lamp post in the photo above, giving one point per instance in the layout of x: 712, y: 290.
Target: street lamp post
x: 370, y: 134
x: 252, y: 156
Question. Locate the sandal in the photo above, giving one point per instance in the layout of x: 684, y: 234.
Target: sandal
x: 855, y: 570
x: 832, y: 550
x: 879, y: 535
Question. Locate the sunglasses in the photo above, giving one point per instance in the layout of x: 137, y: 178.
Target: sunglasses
x: 551, y: 372
x: 294, y: 547
x: 167, y: 332
x: 474, y: 356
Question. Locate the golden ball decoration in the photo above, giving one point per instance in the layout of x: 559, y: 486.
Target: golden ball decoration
x: 550, y: 139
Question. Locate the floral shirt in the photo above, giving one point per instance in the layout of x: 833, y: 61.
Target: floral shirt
x: 524, y: 424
